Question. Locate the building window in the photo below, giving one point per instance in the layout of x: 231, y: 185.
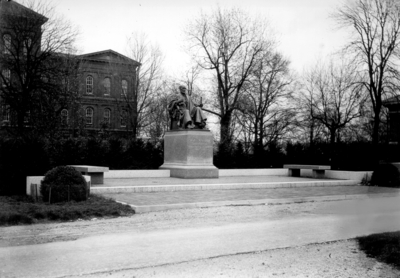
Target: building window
x: 64, y: 117
x: 107, y: 116
x: 124, y: 85
x: 7, y: 44
x: 89, y: 85
x: 6, y: 113
x: 107, y: 86
x: 27, y: 45
x: 123, y: 119
x: 6, y: 75
x: 89, y: 116
x: 44, y: 78
x: 27, y: 117
x: 66, y: 84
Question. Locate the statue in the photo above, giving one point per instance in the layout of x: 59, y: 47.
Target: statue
x: 184, y: 113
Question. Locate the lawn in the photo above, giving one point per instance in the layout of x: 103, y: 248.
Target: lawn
x: 23, y: 210
x: 383, y: 247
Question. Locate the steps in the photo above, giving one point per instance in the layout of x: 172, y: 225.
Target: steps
x: 261, y: 182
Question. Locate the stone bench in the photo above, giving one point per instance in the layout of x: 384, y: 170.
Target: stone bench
x: 95, y: 172
x: 318, y: 170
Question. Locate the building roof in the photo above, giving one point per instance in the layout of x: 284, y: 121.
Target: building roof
x: 10, y: 7
x: 108, y: 56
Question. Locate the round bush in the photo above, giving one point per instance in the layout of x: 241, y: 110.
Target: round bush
x: 386, y: 175
x: 62, y: 184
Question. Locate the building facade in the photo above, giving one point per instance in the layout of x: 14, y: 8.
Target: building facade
x: 104, y: 83
x: 107, y: 82
x: 393, y: 104
x: 20, y: 34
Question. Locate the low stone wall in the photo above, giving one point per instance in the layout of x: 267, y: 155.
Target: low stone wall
x: 38, y: 179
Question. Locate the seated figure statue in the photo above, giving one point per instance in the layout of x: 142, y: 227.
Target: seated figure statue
x: 184, y: 113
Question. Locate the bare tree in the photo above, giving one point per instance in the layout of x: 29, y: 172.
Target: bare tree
x: 148, y: 81
x: 267, y: 115
x: 193, y: 80
x: 228, y: 43
x: 190, y: 78
x: 38, y: 71
x: 309, y: 129
x: 158, y: 117
x: 332, y: 95
x: 375, y: 26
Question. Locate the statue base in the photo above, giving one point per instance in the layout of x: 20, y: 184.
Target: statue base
x: 188, y: 154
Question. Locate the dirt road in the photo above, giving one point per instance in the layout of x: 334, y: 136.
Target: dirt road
x: 249, y: 225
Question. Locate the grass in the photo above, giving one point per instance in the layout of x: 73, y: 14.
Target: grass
x: 383, y: 247
x: 18, y: 210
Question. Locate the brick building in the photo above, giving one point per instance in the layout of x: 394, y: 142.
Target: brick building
x: 106, y: 84
x: 393, y: 104
x: 105, y: 79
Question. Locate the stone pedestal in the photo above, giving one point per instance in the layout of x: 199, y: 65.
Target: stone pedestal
x: 188, y: 154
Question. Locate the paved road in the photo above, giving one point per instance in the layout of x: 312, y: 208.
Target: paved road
x: 341, y: 220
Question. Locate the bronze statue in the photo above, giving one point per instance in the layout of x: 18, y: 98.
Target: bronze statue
x: 184, y: 113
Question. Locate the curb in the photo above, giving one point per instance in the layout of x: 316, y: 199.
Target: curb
x: 146, y: 209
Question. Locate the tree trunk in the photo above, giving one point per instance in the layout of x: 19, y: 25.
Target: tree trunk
x: 333, y: 136
x: 375, y: 136
x: 332, y: 155
x: 312, y: 133
x: 225, y: 129
x: 375, y: 130
x: 256, y: 136
x: 134, y: 120
x: 21, y: 122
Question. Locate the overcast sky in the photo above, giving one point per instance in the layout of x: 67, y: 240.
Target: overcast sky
x: 304, y: 28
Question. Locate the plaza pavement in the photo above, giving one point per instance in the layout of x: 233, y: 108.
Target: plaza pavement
x: 157, y: 194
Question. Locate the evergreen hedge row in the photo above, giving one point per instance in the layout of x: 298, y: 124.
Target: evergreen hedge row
x: 34, y: 157
x: 20, y: 158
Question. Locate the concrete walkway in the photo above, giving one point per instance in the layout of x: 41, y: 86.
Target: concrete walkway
x: 157, y: 194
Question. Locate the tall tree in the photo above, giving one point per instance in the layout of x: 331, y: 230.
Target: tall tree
x: 38, y: 72
x: 158, y: 117
x: 228, y: 43
x: 148, y: 80
x: 375, y: 27
x: 332, y: 95
x: 190, y: 78
x: 267, y: 114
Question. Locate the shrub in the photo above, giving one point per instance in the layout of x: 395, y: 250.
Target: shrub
x: 115, y: 154
x: 69, y: 151
x: 95, y: 151
x: 386, y: 175
x: 20, y: 158
x: 142, y: 155
x: 63, y: 184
